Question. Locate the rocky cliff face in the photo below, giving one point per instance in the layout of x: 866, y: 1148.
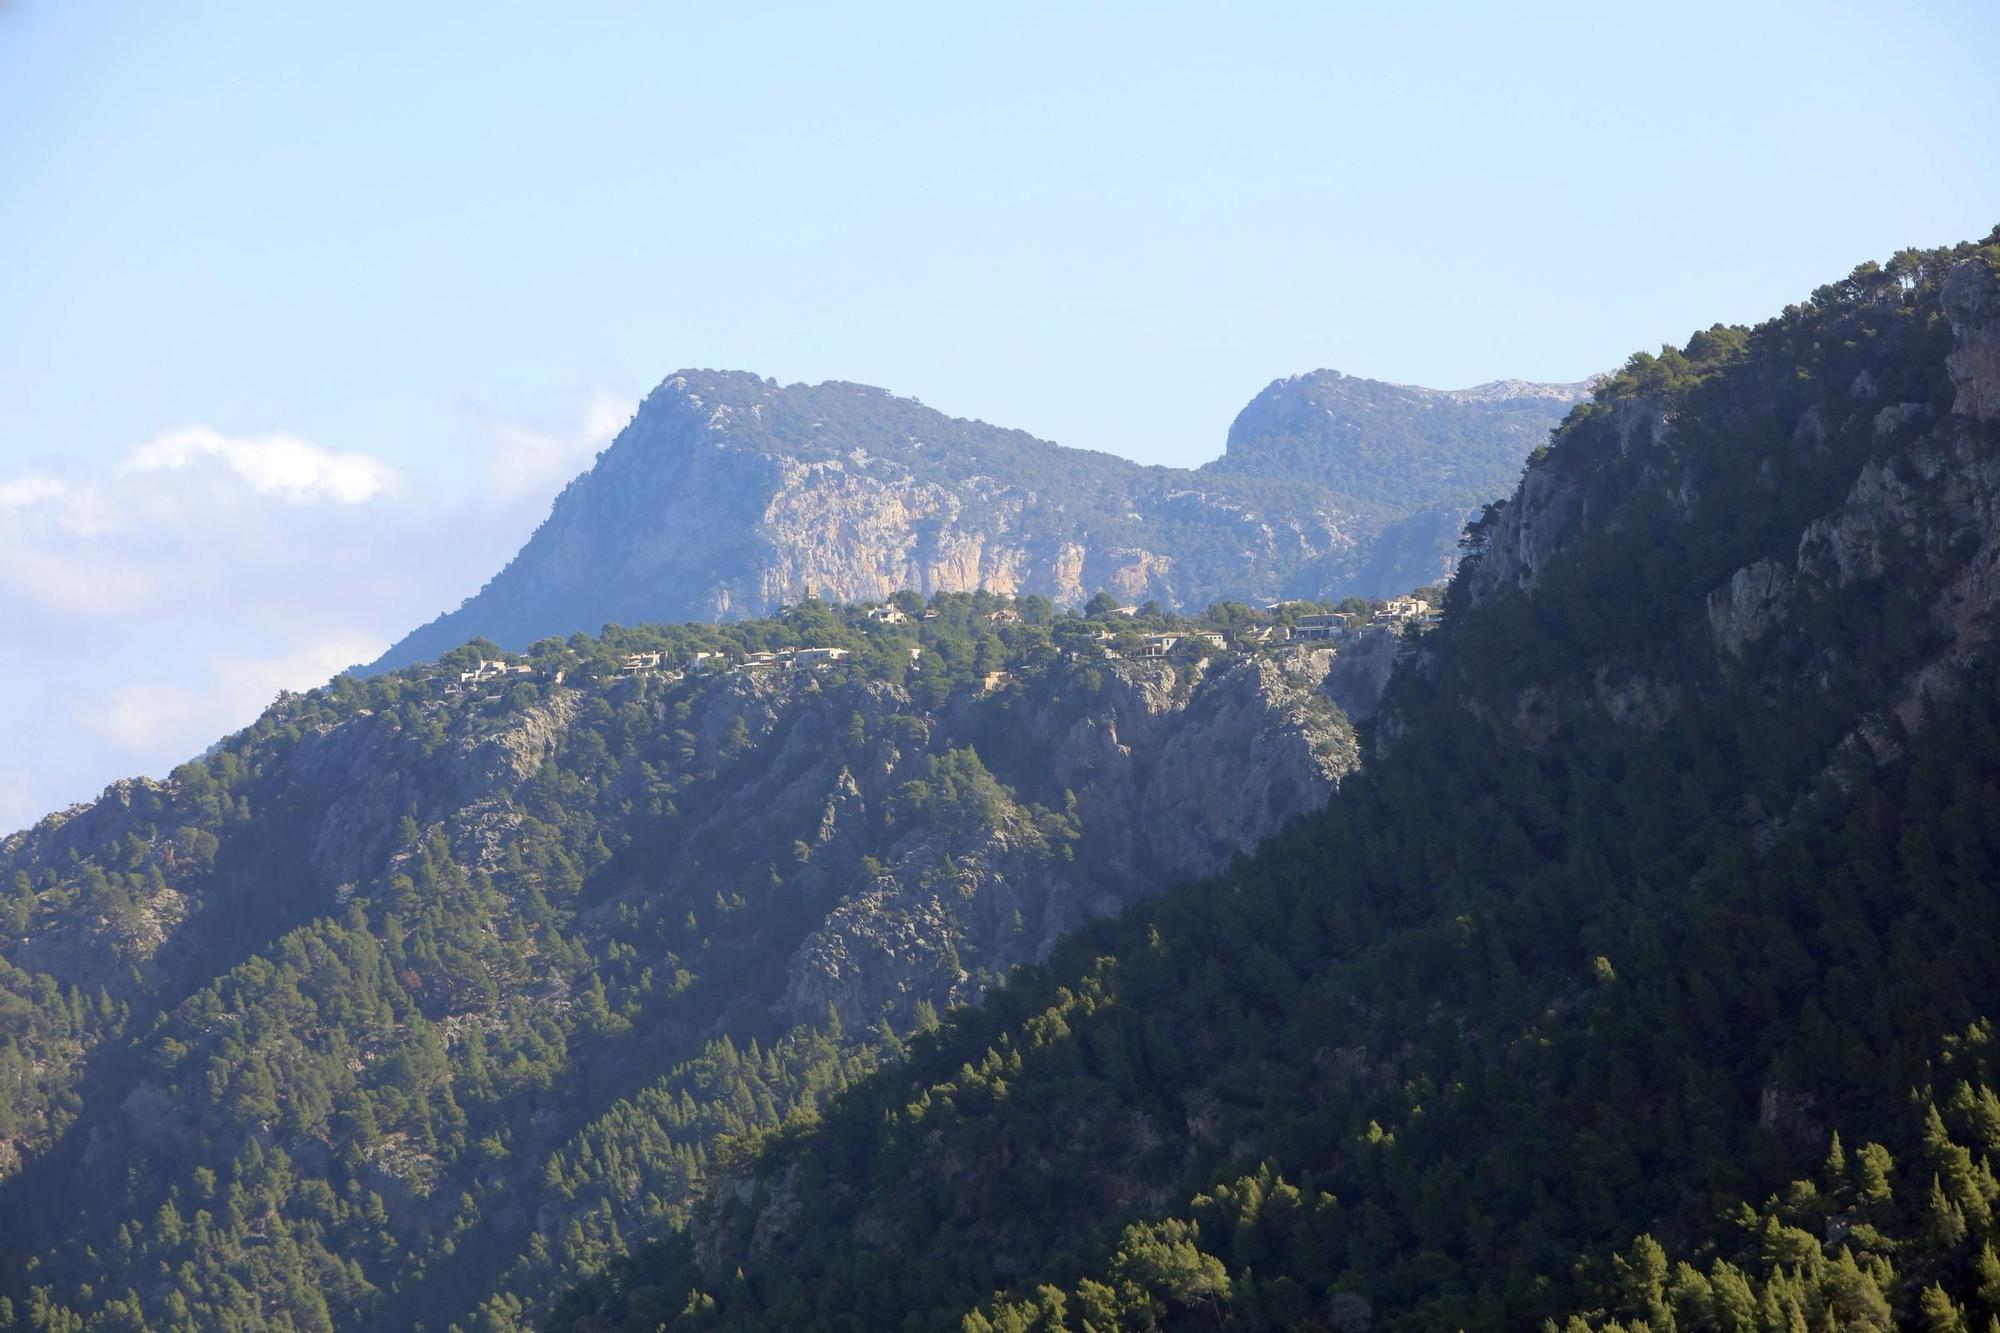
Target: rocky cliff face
x: 1873, y: 489
x: 1175, y: 770
x: 729, y: 496
x: 1972, y: 304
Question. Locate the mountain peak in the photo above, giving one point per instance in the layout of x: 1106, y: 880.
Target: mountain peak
x: 729, y: 494
x: 1461, y: 446
x: 740, y: 388
x: 1322, y: 387
x: 1501, y: 391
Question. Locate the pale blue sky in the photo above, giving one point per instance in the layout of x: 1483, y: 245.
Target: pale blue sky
x: 1110, y: 228
x: 306, y: 311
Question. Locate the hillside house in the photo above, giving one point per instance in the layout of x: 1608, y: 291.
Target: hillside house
x: 1323, y: 625
x: 1404, y: 608
x: 1158, y: 645
x: 886, y: 615
x: 492, y: 670
x: 631, y: 664
x: 819, y: 657
x: 995, y: 680
x: 1006, y: 615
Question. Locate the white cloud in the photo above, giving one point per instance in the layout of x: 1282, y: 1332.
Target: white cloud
x: 181, y: 510
x: 151, y: 605
x: 281, y: 466
x: 29, y: 488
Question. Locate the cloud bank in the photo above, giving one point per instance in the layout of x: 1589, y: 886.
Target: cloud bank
x: 153, y: 604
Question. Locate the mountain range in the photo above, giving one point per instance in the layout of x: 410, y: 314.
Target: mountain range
x: 434, y: 989
x: 730, y: 496
x: 1599, y: 942
x: 1639, y: 979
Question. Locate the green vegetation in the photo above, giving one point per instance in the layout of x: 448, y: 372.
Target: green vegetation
x: 1611, y: 939
x: 1388, y: 449
x: 424, y: 996
x: 700, y: 508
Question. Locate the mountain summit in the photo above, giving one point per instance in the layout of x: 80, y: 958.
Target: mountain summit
x: 730, y: 495
x: 1377, y: 444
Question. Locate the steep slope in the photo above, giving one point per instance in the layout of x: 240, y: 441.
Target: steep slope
x: 729, y: 496
x: 432, y: 989
x: 1679, y: 853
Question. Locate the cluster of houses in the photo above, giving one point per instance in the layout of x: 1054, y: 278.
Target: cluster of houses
x: 1314, y: 626
x: 1170, y: 644
x: 782, y: 659
x: 1336, y: 625
x: 491, y: 672
x: 887, y: 614
x: 1406, y: 608
x: 488, y: 670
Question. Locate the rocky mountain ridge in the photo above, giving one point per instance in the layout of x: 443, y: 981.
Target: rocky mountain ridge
x: 1903, y: 485
x: 1640, y: 980
x: 414, y: 958
x: 730, y: 496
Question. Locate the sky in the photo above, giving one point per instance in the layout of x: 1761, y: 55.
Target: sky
x: 306, y: 312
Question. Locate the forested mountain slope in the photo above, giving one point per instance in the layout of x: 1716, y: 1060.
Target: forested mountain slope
x: 432, y: 990
x: 1379, y: 444
x: 1678, y: 858
x: 729, y: 496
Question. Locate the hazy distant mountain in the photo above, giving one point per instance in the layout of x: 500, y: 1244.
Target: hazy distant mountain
x: 1388, y: 446
x: 730, y: 495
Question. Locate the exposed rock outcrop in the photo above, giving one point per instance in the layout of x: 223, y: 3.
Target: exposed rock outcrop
x: 1920, y: 497
x: 1972, y: 303
x: 1175, y: 770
